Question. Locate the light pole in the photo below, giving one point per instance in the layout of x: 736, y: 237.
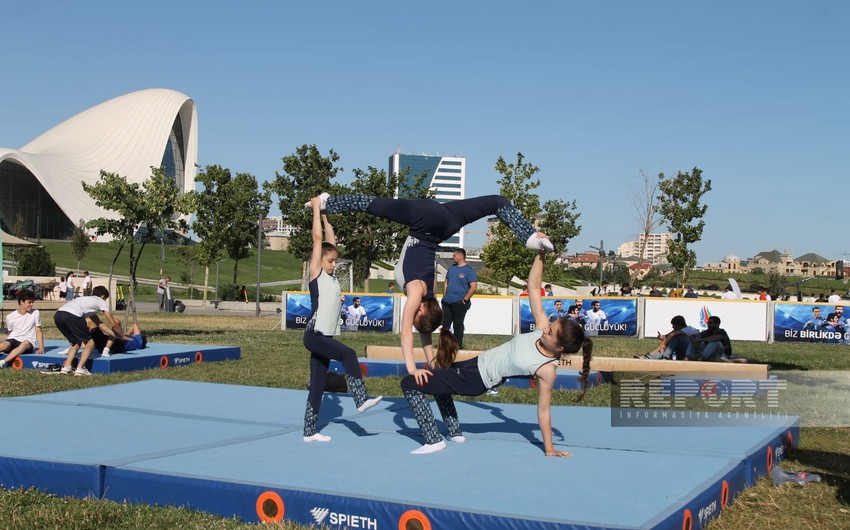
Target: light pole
x: 601, y: 249
x: 259, y: 257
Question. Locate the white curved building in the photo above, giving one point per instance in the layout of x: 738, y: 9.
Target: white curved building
x: 127, y: 135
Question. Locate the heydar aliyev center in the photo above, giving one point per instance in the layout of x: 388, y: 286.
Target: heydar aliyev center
x: 127, y: 135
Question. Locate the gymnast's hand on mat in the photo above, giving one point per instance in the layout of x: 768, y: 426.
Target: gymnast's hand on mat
x: 558, y: 453
x: 421, y: 375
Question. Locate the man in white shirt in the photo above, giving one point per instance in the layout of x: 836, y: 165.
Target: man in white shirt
x: 595, y: 319
x: 70, y: 319
x: 354, y: 314
x: 729, y: 294
x: 834, y: 298
x: 86, y: 286
x: 24, y: 327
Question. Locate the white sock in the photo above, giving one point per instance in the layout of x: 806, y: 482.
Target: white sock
x: 369, y: 404
x: 539, y: 243
x: 318, y: 437
x: 457, y: 439
x: 429, y: 448
x: 2, y: 364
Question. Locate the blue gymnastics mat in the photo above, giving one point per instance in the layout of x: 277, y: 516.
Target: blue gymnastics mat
x: 238, y: 451
x: 565, y: 380
x: 156, y: 355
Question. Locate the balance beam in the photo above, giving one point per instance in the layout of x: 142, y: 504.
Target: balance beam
x: 609, y: 364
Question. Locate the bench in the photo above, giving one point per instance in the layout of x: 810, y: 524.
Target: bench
x: 610, y: 364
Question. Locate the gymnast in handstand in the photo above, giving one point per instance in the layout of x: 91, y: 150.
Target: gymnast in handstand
x: 429, y: 223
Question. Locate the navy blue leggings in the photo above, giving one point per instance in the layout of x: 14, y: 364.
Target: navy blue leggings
x: 322, y: 349
x: 462, y: 379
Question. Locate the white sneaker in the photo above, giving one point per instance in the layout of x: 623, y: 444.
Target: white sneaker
x: 427, y: 449
x: 2, y: 364
x: 63, y: 352
x: 67, y: 369
x: 82, y: 371
x: 105, y: 353
x: 539, y: 243
x: 369, y: 404
x: 457, y: 439
x: 318, y: 437
x: 492, y: 392
x: 323, y: 197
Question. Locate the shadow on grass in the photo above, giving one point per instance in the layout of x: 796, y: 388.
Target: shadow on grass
x: 834, y: 469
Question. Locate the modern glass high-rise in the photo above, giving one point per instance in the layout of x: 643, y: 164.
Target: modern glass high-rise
x: 445, y: 175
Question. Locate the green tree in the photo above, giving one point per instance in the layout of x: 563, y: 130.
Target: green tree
x: 306, y: 173
x: 505, y: 255
x: 79, y: 242
x: 36, y: 261
x: 228, y: 212
x: 143, y: 211
x: 680, y: 206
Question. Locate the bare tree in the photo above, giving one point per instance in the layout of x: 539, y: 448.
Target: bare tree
x: 646, y: 203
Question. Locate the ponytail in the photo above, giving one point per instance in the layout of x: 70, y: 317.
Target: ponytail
x: 447, y: 348
x: 586, y: 355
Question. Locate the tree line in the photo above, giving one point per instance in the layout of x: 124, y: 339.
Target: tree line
x: 229, y: 208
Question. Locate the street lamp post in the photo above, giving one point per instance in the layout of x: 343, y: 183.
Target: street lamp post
x: 601, y: 249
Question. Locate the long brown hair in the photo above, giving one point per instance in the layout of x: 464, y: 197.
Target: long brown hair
x: 571, y: 337
x: 447, y: 348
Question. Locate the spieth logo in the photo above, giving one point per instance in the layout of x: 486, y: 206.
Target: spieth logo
x: 319, y: 514
x: 182, y: 360
x: 706, y: 512
x: 345, y: 520
x: 40, y: 364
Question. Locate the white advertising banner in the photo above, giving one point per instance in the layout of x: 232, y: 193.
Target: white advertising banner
x: 742, y: 319
x: 489, y: 315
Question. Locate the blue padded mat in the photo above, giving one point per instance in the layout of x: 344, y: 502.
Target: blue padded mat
x: 238, y: 451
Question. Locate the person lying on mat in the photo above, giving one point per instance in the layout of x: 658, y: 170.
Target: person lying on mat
x: 113, y: 340
x: 535, y: 354
x: 430, y: 223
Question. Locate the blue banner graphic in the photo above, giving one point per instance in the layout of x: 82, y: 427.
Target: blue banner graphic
x: 824, y: 323
x: 366, y: 313
x: 617, y: 317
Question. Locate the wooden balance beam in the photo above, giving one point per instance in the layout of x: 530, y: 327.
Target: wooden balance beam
x: 729, y: 370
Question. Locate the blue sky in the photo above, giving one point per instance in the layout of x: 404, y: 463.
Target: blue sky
x: 753, y: 93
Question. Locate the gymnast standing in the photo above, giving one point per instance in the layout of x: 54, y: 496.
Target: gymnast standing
x: 429, y: 223
x: 326, y: 301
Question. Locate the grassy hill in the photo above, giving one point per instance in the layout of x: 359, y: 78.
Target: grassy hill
x: 275, y: 265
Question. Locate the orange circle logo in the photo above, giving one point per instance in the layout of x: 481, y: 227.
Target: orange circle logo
x: 364, y: 369
x: 163, y: 362
x: 532, y: 383
x: 18, y: 364
x: 769, y: 459
x: 270, y: 507
x: 414, y: 520
x: 789, y: 443
x: 199, y: 357
x: 687, y: 520
x: 724, y: 495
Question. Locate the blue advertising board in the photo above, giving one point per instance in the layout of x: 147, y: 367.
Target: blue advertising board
x: 620, y: 315
x: 825, y: 323
x: 376, y: 314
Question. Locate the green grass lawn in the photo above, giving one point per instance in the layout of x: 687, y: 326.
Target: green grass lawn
x: 275, y: 358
